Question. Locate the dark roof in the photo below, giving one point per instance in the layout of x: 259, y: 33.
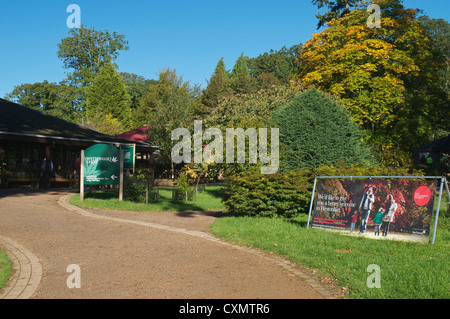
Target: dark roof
x: 20, y: 121
x: 439, y: 146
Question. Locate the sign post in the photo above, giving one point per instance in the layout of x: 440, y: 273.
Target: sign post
x: 121, y: 176
x: 101, y: 164
x: 82, y: 177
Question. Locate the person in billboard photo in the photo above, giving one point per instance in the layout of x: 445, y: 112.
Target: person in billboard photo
x: 365, y: 206
x: 378, y: 220
x: 354, y: 221
x: 391, y: 208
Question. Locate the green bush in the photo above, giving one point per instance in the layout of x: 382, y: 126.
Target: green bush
x: 282, y: 194
x: 287, y: 194
x: 183, y: 190
x: 317, y: 130
x: 134, y: 186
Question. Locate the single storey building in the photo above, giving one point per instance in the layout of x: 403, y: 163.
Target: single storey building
x: 40, y: 150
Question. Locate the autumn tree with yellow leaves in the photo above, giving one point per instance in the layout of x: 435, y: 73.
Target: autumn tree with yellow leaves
x: 386, y: 77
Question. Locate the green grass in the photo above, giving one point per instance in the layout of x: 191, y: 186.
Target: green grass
x: 207, y: 200
x: 5, y: 269
x: 408, y: 270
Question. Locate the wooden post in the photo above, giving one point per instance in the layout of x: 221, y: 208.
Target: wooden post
x: 48, y: 162
x: 121, y: 176
x: 82, y: 176
x: 152, y: 167
x: 146, y: 192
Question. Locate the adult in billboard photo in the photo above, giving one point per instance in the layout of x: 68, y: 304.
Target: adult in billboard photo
x: 391, y: 208
x: 365, y: 206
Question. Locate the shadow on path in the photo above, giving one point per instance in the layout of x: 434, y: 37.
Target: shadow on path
x: 17, y: 192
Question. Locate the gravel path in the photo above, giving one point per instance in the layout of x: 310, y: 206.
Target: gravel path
x: 139, y: 255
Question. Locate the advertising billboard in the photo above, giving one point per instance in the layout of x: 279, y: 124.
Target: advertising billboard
x: 380, y: 207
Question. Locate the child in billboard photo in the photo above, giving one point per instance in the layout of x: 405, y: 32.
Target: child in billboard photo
x: 365, y: 206
x: 354, y: 221
x: 391, y: 207
x: 378, y: 220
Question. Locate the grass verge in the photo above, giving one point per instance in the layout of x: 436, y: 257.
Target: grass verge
x: 207, y: 200
x: 5, y: 269
x: 408, y: 270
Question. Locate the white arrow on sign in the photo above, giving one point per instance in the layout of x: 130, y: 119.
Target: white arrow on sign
x: 114, y: 160
x: 113, y: 177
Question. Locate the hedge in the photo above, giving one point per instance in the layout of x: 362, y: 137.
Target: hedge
x: 288, y: 193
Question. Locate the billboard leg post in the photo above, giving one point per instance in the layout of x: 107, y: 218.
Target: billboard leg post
x: 437, y: 211
x: 310, y: 205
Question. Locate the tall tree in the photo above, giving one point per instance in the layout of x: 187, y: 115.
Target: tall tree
x: 385, y: 76
x: 137, y: 87
x: 169, y: 104
x: 240, y: 79
x: 234, y: 109
x: 59, y: 100
x: 218, y: 87
x: 107, y: 98
x: 281, y: 64
x: 336, y: 10
x: 439, y: 32
x: 87, y: 50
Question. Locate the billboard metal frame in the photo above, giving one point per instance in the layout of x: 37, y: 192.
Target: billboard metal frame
x: 442, y: 178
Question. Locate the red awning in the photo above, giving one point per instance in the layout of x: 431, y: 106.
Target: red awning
x: 137, y: 135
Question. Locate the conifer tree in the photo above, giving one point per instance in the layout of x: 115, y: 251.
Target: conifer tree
x: 218, y: 87
x: 107, y: 98
x: 316, y: 130
x: 240, y: 79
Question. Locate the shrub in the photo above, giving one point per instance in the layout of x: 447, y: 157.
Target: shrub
x: 288, y: 194
x: 282, y: 194
x: 183, y: 191
x: 134, y: 186
x: 317, y: 130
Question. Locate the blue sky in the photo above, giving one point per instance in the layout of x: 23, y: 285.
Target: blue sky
x: 189, y: 36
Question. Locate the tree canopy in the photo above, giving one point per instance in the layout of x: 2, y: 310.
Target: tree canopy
x: 280, y: 64
x: 60, y: 100
x: 169, y: 104
x: 336, y: 9
x: 107, y: 99
x: 385, y: 76
x: 218, y: 87
x: 391, y: 81
x: 87, y: 50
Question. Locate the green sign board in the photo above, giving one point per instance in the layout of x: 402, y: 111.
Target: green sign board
x: 101, y: 165
x: 128, y: 156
